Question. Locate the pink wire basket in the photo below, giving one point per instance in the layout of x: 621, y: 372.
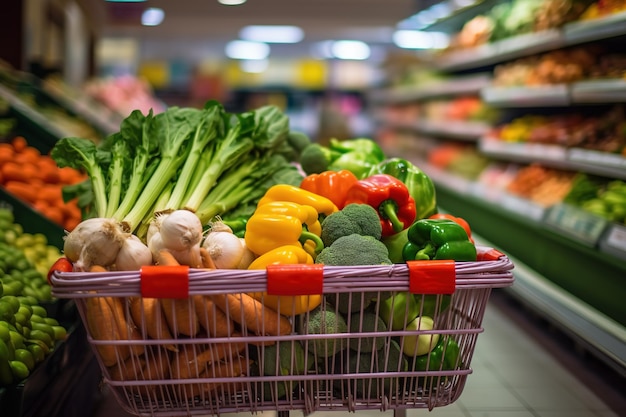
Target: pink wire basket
x: 203, y: 352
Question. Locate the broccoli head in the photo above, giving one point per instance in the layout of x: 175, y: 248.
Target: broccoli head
x: 316, y: 158
x: 356, y: 218
x: 354, y: 250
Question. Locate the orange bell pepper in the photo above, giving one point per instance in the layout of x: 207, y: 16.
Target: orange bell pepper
x: 330, y: 184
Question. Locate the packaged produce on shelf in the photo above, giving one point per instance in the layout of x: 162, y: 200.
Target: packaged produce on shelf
x: 37, y: 180
x: 603, y: 8
x: 461, y: 159
x: 600, y: 196
x: 541, y: 185
x: 561, y: 66
x: 512, y: 18
x: 602, y: 131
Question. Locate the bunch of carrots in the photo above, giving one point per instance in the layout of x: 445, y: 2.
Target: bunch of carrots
x: 226, y: 316
x: 37, y: 180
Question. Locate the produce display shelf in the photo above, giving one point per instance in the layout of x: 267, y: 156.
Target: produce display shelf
x: 459, y: 130
x: 557, y: 95
x: 466, y: 84
x: 573, y: 159
x: 65, y: 384
x: 31, y: 220
x: 44, y: 132
x: 571, y: 34
x: 588, y: 273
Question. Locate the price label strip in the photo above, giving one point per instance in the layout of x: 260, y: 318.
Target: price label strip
x: 576, y: 223
x: 614, y: 241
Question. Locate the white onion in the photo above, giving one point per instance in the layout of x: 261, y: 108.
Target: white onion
x: 133, y: 255
x: 94, y: 241
x: 224, y: 248
x: 181, y: 230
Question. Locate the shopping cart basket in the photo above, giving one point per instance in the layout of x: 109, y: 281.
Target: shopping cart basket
x: 191, y: 342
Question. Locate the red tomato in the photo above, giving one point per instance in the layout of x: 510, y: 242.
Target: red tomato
x: 62, y: 265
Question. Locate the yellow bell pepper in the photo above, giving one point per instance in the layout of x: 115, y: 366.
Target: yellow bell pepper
x: 279, y: 223
x: 287, y: 192
x: 286, y: 304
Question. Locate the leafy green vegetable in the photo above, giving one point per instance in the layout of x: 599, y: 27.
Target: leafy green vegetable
x: 206, y: 160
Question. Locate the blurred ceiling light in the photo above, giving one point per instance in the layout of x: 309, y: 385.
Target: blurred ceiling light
x: 415, y: 39
x: 254, y: 66
x: 231, y: 2
x: 272, y: 33
x: 247, y: 50
x: 152, y: 16
x: 350, y: 50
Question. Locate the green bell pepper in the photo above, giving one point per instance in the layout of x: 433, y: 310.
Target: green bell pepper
x: 364, y: 145
x: 356, y: 155
x: 438, y: 239
x: 420, y: 186
x: 443, y: 357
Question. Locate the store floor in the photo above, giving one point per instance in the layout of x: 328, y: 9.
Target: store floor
x: 522, y: 368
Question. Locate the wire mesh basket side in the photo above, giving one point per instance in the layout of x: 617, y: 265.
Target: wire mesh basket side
x: 223, y: 349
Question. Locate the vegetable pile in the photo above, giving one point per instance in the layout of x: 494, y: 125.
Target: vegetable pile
x: 27, y: 333
x: 205, y: 189
x: 38, y: 181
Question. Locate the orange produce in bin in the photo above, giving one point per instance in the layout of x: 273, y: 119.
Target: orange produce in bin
x: 37, y: 180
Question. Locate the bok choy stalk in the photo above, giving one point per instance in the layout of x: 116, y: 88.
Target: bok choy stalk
x: 206, y: 160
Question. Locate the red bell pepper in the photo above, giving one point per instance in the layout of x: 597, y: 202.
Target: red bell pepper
x: 389, y: 196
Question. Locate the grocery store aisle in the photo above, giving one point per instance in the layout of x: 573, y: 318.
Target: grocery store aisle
x: 522, y: 368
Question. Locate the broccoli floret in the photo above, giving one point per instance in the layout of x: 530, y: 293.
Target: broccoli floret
x: 353, y: 250
x: 324, y: 320
x: 298, y: 141
x: 363, y: 323
x: 316, y: 158
x: 361, y: 219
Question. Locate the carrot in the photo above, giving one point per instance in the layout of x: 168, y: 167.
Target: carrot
x: 212, y: 319
x: 127, y: 328
x: 21, y: 190
x: 165, y: 257
x: 68, y: 175
x: 102, y: 326
x: 180, y: 316
x: 127, y: 370
x: 192, y: 360
x: 98, y: 268
x: 148, y: 315
x: 230, y: 369
x: 252, y: 314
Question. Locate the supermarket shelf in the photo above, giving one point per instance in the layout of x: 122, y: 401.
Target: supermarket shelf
x: 583, y: 92
x: 579, y: 266
x: 516, y: 47
x: 28, y: 112
x: 572, y: 159
x: 96, y: 114
x: 540, y: 96
x: 454, y: 129
x: 470, y: 84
